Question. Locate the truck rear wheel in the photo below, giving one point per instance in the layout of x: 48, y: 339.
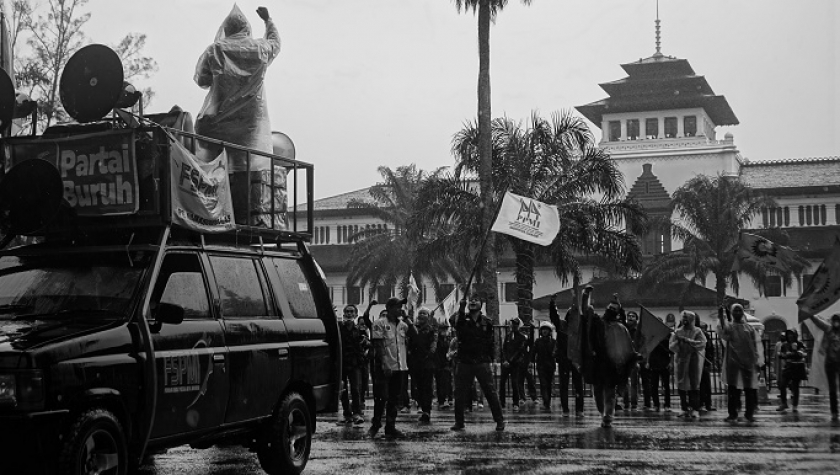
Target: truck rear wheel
x: 94, y: 444
x: 284, y: 444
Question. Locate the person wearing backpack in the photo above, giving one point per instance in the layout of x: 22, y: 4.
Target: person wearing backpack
x: 613, y: 354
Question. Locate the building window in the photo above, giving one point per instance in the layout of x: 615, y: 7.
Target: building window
x: 772, y: 217
x: 764, y: 214
x: 801, y: 216
x: 383, y: 293
x: 354, y: 295
x: 837, y: 214
x: 670, y: 127
x: 808, y: 215
x: 822, y: 214
x: 615, y: 130
x: 690, y: 126
x: 511, y: 292
x: 787, y: 216
x: 773, y: 286
x: 652, y: 128
x: 633, y: 129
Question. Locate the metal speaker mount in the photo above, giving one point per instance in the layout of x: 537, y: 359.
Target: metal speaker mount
x: 91, y: 83
x: 31, y: 194
x: 7, y: 100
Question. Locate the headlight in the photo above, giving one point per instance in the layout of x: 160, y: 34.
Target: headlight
x: 8, y: 390
x: 24, y: 390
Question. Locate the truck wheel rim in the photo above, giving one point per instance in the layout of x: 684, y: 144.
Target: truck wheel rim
x: 298, y: 434
x: 99, y: 454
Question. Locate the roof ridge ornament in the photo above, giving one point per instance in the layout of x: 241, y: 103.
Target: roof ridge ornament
x: 658, y: 36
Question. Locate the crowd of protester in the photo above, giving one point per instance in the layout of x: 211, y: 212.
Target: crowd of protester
x: 418, y: 358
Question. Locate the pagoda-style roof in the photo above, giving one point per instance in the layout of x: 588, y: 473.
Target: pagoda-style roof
x: 659, y: 83
x: 649, y: 192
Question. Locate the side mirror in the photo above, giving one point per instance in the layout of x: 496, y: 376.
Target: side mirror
x: 169, y: 313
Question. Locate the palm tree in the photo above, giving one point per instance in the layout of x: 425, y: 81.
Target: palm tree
x: 487, y: 11
x: 712, y: 213
x: 387, y: 256
x: 551, y: 161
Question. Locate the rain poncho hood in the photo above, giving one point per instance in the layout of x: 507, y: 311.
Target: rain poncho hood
x: 233, y: 68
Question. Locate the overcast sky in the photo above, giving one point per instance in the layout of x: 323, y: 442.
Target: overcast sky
x: 364, y: 83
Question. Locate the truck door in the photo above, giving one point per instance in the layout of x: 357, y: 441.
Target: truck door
x: 190, y: 357
x: 255, y: 335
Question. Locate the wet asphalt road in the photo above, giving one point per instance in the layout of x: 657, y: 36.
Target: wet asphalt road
x: 540, y: 443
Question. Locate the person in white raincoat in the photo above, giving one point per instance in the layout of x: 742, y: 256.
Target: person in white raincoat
x: 688, y: 344
x: 742, y: 363
x: 235, y: 109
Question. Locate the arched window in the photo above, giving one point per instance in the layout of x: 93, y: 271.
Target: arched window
x: 801, y: 216
x: 823, y: 214
x: 787, y: 216
x: 328, y: 235
x: 779, y: 216
x: 808, y: 215
x: 772, y: 217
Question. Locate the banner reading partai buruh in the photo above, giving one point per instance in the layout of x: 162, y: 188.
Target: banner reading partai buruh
x: 527, y: 219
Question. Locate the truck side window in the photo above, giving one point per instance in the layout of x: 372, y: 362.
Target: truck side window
x: 239, y: 287
x: 296, y: 287
x: 181, y: 283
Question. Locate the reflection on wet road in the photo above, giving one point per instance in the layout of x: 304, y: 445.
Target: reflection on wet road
x: 550, y: 443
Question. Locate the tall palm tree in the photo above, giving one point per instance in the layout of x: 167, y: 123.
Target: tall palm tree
x: 486, y: 11
x: 557, y: 163
x: 387, y: 256
x: 712, y: 212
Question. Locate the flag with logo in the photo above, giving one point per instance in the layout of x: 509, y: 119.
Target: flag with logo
x: 821, y: 293
x: 650, y: 332
x: 761, y: 250
x: 527, y: 219
x: 200, y: 191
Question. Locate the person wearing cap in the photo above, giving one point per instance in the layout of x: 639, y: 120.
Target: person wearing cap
x: 743, y: 361
x: 422, y: 347
x: 544, y: 360
x: 475, y: 352
x: 389, y: 337
x: 830, y: 348
x: 689, y: 346
x: 513, y: 352
x: 443, y: 367
x: 566, y: 369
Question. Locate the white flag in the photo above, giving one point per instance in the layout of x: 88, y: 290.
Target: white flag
x: 450, y: 305
x: 413, y: 292
x: 527, y: 219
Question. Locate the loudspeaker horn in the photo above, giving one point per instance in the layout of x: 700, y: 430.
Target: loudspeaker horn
x: 91, y: 83
x: 31, y: 194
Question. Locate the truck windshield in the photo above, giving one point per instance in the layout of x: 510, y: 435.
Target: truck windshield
x: 98, y: 285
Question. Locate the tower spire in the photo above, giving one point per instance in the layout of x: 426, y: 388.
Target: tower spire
x: 658, y: 42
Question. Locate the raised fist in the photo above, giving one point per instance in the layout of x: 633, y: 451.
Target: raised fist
x: 263, y: 13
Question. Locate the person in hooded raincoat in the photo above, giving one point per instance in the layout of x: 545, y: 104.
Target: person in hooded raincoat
x: 235, y: 109
x: 743, y: 361
x: 689, y: 346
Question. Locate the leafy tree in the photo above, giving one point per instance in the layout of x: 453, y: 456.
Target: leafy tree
x: 712, y: 212
x: 52, y: 34
x: 386, y: 257
x: 487, y: 10
x: 554, y: 161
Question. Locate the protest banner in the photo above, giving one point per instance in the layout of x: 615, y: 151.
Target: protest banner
x: 527, y: 219
x: 200, y: 191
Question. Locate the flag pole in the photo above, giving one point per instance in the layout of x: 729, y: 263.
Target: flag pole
x: 484, y: 243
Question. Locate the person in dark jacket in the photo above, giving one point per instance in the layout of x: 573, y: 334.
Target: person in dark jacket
x: 609, y: 374
x: 513, y: 353
x: 544, y: 359
x: 657, y: 370
x: 565, y: 367
x: 630, y: 391
x: 352, y: 361
x: 526, y: 378
x: 443, y: 367
x: 422, y: 347
x: 794, y: 371
x: 830, y: 348
x: 476, y: 349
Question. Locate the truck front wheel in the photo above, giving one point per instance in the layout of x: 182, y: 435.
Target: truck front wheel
x: 284, y: 444
x: 94, y: 444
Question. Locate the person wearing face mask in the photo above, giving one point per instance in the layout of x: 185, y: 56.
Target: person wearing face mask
x: 352, y: 360
x: 744, y: 358
x: 688, y: 344
x: 831, y: 349
x: 422, y: 345
x: 612, y: 354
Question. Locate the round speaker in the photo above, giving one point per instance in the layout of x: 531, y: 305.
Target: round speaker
x: 91, y: 83
x: 7, y: 100
x: 30, y: 197
x: 282, y: 145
